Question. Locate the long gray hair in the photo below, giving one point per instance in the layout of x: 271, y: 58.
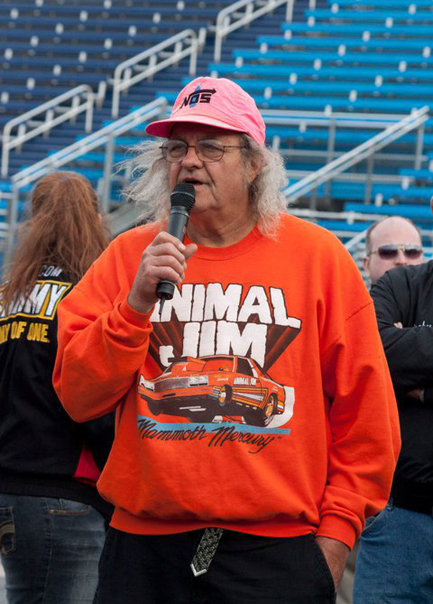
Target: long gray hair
x: 150, y: 185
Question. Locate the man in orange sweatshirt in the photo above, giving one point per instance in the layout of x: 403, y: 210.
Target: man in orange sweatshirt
x: 256, y: 420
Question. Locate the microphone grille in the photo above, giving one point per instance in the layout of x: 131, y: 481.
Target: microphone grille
x: 183, y: 195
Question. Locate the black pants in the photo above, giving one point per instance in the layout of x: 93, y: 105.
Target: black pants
x: 141, y: 569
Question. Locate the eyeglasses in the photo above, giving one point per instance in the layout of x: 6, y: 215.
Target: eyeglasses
x: 390, y: 251
x: 208, y: 151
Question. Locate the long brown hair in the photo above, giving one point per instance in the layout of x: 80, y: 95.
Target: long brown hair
x: 64, y: 230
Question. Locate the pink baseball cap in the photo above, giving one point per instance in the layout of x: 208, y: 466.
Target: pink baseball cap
x: 214, y: 102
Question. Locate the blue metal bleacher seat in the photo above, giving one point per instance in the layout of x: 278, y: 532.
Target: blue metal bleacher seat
x: 394, y: 4
x: 413, y: 211
x: 367, y: 58
x: 373, y: 28
x: 341, y: 72
x: 402, y: 44
x: 333, y: 88
x: 423, y: 174
x: 372, y: 15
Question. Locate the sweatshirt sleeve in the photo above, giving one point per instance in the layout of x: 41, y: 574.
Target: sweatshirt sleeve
x: 364, y: 439
x: 409, y: 350
x: 102, y: 341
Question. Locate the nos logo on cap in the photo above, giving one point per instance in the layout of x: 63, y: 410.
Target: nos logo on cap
x: 198, y: 96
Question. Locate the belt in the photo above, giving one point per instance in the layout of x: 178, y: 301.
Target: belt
x: 413, y: 504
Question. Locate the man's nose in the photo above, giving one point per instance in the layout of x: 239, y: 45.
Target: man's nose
x: 191, y: 158
x: 401, y: 258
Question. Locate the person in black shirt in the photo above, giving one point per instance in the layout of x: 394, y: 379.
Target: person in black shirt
x: 52, y: 518
x: 396, y: 547
x: 390, y: 242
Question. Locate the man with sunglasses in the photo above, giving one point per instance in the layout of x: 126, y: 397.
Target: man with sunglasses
x: 394, y: 562
x: 391, y: 242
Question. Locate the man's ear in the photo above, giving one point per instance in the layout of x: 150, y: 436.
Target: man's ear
x: 255, y: 166
x: 366, y: 262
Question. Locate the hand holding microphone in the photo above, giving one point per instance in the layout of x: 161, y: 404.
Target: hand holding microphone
x: 182, y: 200
x: 163, y: 261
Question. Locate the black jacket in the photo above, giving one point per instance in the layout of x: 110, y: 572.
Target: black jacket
x: 40, y: 445
x: 405, y: 295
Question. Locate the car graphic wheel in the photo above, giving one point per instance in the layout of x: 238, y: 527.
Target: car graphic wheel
x: 271, y: 405
x: 262, y: 417
x: 225, y: 395
x: 269, y: 410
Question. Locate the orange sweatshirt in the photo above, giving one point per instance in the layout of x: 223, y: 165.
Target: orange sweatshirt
x: 259, y: 401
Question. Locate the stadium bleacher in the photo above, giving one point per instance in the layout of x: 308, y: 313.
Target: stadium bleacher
x: 348, y: 57
x: 359, y: 58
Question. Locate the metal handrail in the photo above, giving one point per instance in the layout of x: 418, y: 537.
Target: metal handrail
x: 155, y: 109
x: 224, y: 27
x: 186, y: 43
x: 123, y: 70
x: 39, y: 127
x: 357, y: 154
x: 98, y: 138
x: 355, y: 240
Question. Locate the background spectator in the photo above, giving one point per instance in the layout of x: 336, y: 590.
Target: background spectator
x: 52, y: 518
x: 395, y: 550
x: 391, y: 242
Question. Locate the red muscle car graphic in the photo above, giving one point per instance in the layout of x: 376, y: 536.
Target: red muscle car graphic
x: 206, y: 387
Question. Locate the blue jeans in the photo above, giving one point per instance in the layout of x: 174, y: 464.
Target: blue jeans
x: 50, y: 549
x: 395, y: 559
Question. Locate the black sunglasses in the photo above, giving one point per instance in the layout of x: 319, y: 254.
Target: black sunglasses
x: 390, y: 251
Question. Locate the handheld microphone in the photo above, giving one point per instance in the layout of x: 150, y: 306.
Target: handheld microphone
x: 182, y: 200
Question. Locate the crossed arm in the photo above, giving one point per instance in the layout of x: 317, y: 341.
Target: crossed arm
x: 408, y: 348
